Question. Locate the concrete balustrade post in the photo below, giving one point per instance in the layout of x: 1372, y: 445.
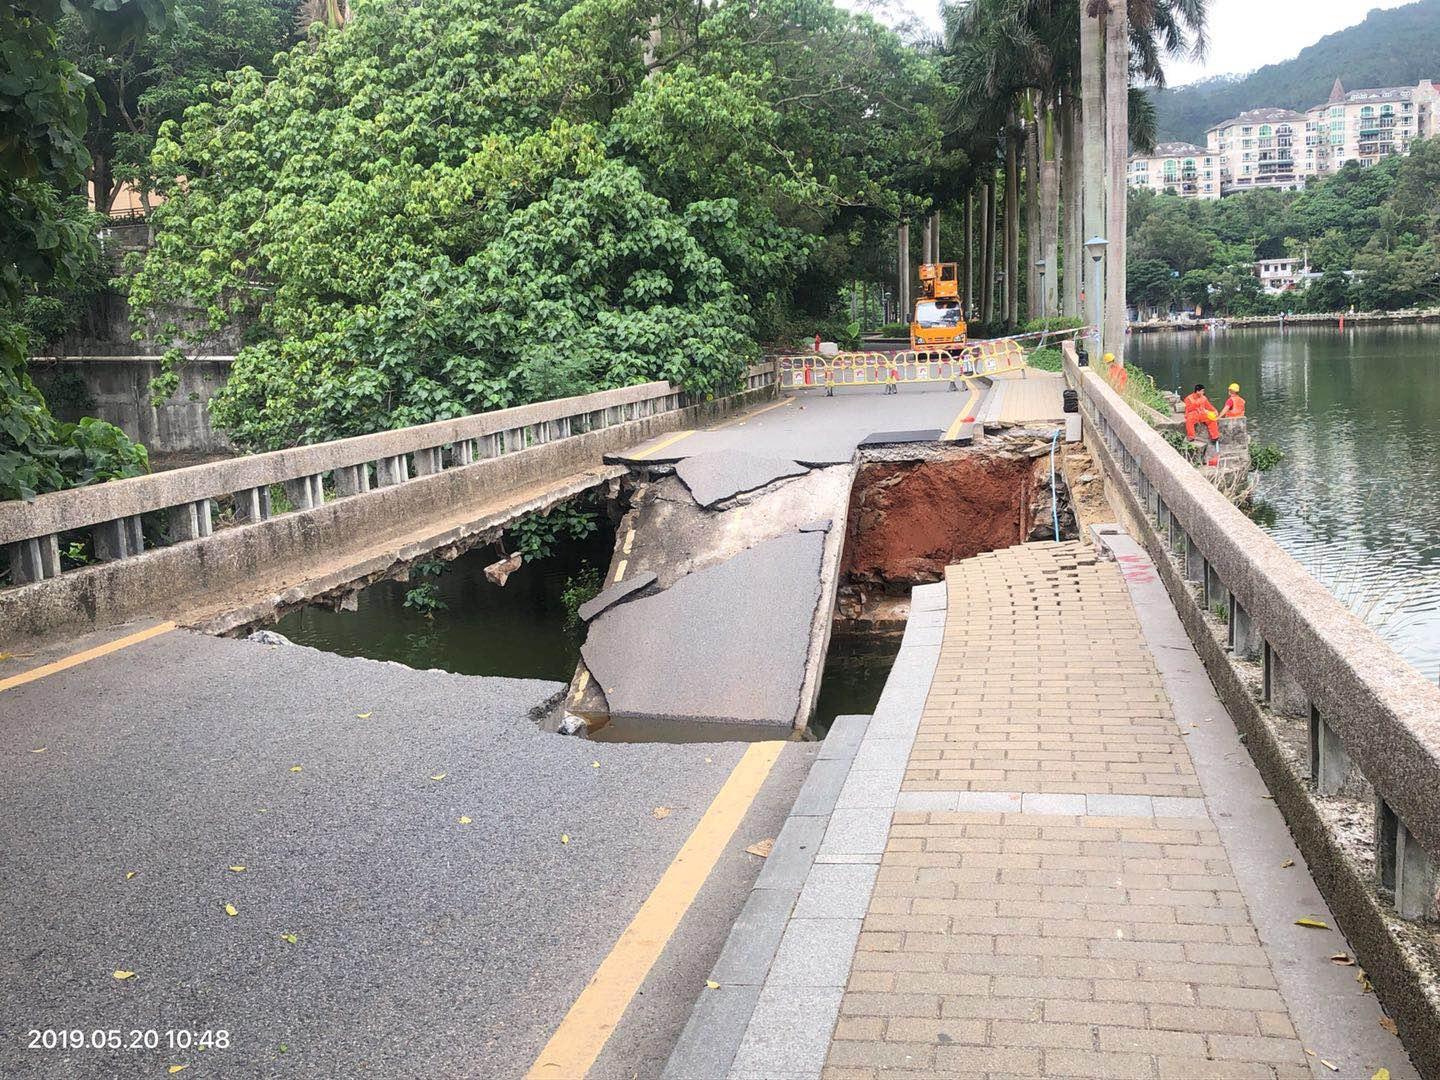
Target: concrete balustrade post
x: 1244, y: 637
x: 1330, y: 764
x: 1194, y: 561
x: 429, y: 461
x: 190, y: 521
x: 1215, y: 591
x: 119, y: 539
x: 352, y: 480
x: 1282, y: 690
x: 252, y: 504
x: 390, y: 471
x: 1417, y: 878
x: 36, y: 559
x: 306, y: 492
x: 463, y: 453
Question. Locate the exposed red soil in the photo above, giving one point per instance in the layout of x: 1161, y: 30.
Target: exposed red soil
x: 909, y: 520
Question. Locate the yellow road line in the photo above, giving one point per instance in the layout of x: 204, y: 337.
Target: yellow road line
x: 629, y: 539
x: 741, y: 419
x: 89, y: 654
x: 620, y: 571
x: 581, y: 1036
x: 965, y: 410
x: 580, y: 684
x: 663, y: 443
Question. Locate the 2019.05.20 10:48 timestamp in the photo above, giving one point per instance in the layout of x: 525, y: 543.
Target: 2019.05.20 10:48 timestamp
x: 127, y: 1039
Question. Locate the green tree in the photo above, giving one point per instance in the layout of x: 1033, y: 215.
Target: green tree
x: 461, y: 205
x: 43, y: 102
x: 1150, y: 283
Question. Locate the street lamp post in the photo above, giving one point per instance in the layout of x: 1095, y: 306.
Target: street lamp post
x: 1095, y: 247
x: 1044, y: 314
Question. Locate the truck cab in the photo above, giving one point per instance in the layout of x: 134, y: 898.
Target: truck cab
x: 939, y: 320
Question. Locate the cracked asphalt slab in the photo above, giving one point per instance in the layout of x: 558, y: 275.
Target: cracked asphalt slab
x: 717, y: 475
x: 725, y: 644
x: 423, y: 946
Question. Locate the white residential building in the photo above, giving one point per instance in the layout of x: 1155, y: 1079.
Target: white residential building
x: 1177, y: 168
x: 1282, y: 148
x: 1281, y: 275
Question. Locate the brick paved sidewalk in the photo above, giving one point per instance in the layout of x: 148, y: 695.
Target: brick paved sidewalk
x: 1054, y: 900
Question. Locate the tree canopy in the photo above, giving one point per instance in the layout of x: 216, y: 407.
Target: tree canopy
x: 466, y: 204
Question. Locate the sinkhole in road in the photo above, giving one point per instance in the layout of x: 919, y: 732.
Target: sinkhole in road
x: 462, y: 622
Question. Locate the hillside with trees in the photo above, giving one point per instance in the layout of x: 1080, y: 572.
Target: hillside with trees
x: 1382, y: 223
x: 1398, y: 47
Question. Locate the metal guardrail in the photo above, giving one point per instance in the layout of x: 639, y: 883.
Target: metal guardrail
x: 309, y: 475
x: 1371, y: 716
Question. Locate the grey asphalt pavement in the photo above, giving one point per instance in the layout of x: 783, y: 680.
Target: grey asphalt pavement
x: 813, y: 429
x: 422, y: 946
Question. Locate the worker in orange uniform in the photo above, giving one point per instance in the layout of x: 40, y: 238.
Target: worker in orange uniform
x: 1234, y: 404
x: 1117, y: 373
x: 1200, y: 410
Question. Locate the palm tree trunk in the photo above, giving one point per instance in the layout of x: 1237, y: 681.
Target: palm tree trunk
x: 1033, y: 245
x: 902, y: 271
x: 1049, y: 214
x: 1071, y: 198
x: 1092, y: 147
x: 968, y: 255
x: 1012, y: 226
x: 987, y: 252
x: 1117, y: 145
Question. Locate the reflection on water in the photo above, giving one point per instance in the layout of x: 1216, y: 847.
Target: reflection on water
x: 856, y: 667
x: 516, y: 631
x: 1357, y: 498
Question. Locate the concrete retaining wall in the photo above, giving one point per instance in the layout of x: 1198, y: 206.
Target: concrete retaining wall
x: 117, y: 389
x: 469, y: 474
x: 1327, y: 709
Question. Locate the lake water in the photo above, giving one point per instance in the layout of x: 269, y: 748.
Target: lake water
x: 1357, y: 498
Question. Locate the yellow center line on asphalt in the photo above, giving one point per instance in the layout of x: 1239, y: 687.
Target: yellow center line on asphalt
x: 965, y: 410
x: 88, y: 654
x: 581, y: 1036
x: 619, y: 571
x: 749, y: 415
x: 662, y: 444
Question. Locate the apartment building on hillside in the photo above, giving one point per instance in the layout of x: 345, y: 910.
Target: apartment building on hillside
x: 1177, y: 168
x: 1283, y: 148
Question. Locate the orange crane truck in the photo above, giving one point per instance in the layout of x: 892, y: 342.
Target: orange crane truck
x: 939, y: 319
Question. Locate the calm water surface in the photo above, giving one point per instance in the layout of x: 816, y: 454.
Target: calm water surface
x: 1357, y: 498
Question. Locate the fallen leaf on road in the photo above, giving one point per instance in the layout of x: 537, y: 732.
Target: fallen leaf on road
x: 762, y: 847
x: 594, y: 764
x: 439, y: 776
x: 130, y: 874
x: 237, y: 869
x: 362, y: 716
x: 1381, y: 1074
x: 564, y: 838
x: 123, y: 975
x: 291, y: 938
x: 1363, y: 980
x: 177, y: 1068
x: 464, y: 820
x: 1341, y: 959
x: 712, y: 984
x: 231, y: 910
x: 660, y: 813
x: 1287, y: 864
x: 39, y: 750
x: 709, y: 760
x: 296, y: 768
x: 1313, y: 924
x: 1389, y: 1025
x: 1330, y: 1065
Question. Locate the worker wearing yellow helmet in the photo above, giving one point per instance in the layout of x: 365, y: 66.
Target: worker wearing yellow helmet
x: 1234, y: 404
x: 1200, y: 410
x: 1115, y: 372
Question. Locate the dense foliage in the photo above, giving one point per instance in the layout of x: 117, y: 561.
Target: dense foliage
x: 43, y: 242
x: 466, y: 204
x: 1390, y: 48
x: 1381, y: 223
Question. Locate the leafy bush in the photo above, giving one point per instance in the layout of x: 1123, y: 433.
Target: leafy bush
x: 580, y: 588
x: 1265, y: 456
x: 1052, y: 323
x: 1046, y: 359
x: 893, y: 330
x: 536, y: 534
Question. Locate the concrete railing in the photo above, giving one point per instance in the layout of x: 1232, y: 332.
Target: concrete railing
x: 1374, y: 721
x: 31, y: 532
